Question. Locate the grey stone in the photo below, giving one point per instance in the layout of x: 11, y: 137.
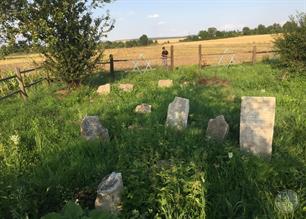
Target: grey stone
x: 143, y: 108
x: 217, y: 128
x: 91, y: 128
x: 109, y: 193
x: 257, y: 125
x: 178, y: 111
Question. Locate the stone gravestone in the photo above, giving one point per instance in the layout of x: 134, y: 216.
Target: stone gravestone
x: 257, y: 124
x: 143, y: 108
x: 104, y: 89
x: 217, y: 128
x: 126, y: 87
x: 91, y: 128
x: 178, y: 111
x: 165, y: 83
x: 109, y: 193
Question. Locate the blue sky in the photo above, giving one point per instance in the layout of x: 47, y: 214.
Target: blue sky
x: 163, y: 18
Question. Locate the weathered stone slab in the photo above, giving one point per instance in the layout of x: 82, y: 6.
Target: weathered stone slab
x: 165, y: 83
x: 143, y: 108
x: 126, y: 87
x: 104, y: 89
x: 178, y: 111
x: 217, y: 128
x: 257, y: 125
x: 91, y: 128
x: 109, y: 193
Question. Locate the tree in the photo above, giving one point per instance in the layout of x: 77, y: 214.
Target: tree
x: 246, y: 31
x: 289, y: 26
x: 291, y: 45
x: 144, y: 40
x: 261, y: 29
x: 212, y: 32
x: 64, y: 31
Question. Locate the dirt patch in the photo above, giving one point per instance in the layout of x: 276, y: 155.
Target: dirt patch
x: 213, y: 81
x: 62, y: 92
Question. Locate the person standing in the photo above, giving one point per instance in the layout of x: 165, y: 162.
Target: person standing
x: 165, y: 57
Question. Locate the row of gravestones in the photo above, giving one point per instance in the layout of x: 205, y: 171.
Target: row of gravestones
x: 106, y: 89
x: 256, y: 134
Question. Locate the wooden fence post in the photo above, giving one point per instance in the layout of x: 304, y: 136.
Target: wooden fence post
x: 111, y: 66
x: 23, y: 92
x: 172, y: 58
x: 200, y: 56
x: 254, y: 55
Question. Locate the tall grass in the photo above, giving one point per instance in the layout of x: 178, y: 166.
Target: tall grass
x: 45, y: 163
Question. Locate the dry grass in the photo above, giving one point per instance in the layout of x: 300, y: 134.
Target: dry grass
x: 186, y: 53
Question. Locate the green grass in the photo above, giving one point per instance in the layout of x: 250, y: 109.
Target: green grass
x: 52, y: 163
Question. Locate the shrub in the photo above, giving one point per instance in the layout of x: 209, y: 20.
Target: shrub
x: 291, y: 45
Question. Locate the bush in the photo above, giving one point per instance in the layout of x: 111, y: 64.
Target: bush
x: 291, y: 45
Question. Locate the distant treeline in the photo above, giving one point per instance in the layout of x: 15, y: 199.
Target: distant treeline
x: 214, y: 33
x: 142, y: 41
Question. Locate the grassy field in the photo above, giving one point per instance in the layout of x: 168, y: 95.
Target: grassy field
x: 45, y: 163
x: 186, y: 53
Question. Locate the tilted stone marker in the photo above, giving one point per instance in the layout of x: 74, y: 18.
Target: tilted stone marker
x: 91, y: 129
x: 165, y: 83
x: 126, y: 87
x: 104, y: 89
x: 217, y: 128
x: 257, y: 124
x: 109, y: 193
x: 178, y: 111
x: 143, y: 108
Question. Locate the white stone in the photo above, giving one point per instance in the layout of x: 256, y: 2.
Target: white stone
x: 126, y: 87
x: 104, y: 89
x: 257, y: 125
x: 178, y: 111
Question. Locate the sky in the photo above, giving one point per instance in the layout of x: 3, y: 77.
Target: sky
x: 167, y: 18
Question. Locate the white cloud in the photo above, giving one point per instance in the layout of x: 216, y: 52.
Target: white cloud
x: 161, y: 23
x: 153, y: 16
x: 229, y: 27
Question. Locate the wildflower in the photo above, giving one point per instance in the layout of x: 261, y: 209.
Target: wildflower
x: 15, y: 139
x: 230, y: 155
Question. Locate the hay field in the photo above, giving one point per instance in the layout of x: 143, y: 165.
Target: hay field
x: 185, y: 53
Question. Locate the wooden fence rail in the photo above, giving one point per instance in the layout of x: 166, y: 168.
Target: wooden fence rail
x: 21, y: 84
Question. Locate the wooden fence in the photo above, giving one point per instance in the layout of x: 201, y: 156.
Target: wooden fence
x: 201, y: 61
x: 251, y: 56
x: 20, y: 75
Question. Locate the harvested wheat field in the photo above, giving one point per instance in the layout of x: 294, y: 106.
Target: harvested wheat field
x: 185, y: 53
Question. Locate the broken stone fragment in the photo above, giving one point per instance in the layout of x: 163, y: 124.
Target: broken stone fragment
x: 109, y: 193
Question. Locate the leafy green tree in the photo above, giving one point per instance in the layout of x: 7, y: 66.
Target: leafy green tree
x: 261, y: 29
x: 144, y: 40
x: 289, y: 26
x: 292, y: 44
x: 212, y: 31
x: 64, y: 31
x: 246, y: 31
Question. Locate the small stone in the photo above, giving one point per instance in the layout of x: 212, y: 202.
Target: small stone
x: 143, y: 108
x: 217, y: 128
x: 126, y: 87
x: 286, y: 201
x: 104, y: 89
x: 165, y: 83
x: 178, y: 111
x: 91, y: 129
x: 109, y: 193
